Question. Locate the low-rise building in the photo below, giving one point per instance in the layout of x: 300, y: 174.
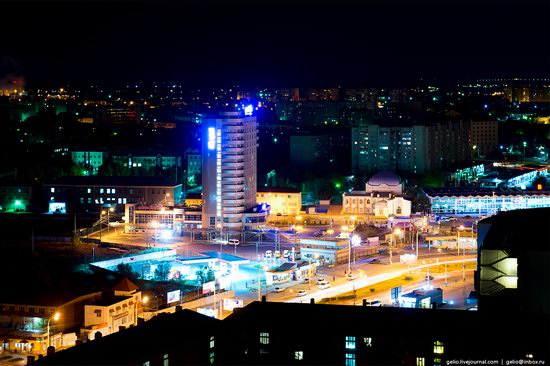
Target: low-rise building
x: 282, y: 200
x: 113, y: 312
x: 78, y: 194
x: 382, y: 197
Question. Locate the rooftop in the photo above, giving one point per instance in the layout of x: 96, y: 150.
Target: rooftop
x: 481, y: 191
x: 278, y: 190
x: 113, y: 181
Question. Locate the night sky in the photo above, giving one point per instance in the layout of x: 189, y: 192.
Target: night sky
x: 274, y: 44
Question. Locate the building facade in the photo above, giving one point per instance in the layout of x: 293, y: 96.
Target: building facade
x: 396, y: 148
x: 484, y: 201
x: 229, y: 142
x: 77, y: 194
x: 483, y: 138
x: 410, y: 148
x: 382, y: 197
x: 282, y: 200
x: 88, y: 159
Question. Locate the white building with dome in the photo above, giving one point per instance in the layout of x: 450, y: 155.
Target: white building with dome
x: 382, y: 197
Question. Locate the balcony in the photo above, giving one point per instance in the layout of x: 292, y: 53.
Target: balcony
x: 232, y: 202
x: 232, y: 187
x: 236, y: 195
x: 239, y: 164
x: 233, y: 210
x: 236, y: 180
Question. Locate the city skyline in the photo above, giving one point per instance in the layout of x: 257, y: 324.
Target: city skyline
x: 275, y: 43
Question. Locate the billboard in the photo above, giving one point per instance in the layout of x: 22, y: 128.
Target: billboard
x: 173, y: 296
x: 230, y: 304
x: 208, y: 287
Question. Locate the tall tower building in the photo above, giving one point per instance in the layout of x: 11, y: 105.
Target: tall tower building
x: 229, y: 141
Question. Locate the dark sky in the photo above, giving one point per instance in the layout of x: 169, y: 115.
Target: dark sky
x: 313, y: 43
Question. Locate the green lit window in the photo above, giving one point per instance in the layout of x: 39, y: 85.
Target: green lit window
x: 438, y: 348
x: 350, y: 359
x: 350, y: 342
x: 299, y: 355
x: 264, y: 338
x: 211, y: 358
x: 437, y: 361
x: 420, y: 361
x: 165, y: 360
x: 212, y: 342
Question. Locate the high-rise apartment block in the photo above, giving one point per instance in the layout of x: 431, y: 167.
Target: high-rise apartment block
x: 229, y: 142
x: 395, y: 148
x: 418, y: 148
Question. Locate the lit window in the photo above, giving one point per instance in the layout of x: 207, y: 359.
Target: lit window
x: 108, y: 190
x: 350, y: 359
x: 299, y: 355
x: 101, y: 190
x: 146, y: 363
x: 165, y: 360
x: 264, y: 338
x: 420, y: 361
x: 211, y: 358
x: 113, y: 191
x: 52, y: 190
x: 367, y: 341
x: 350, y: 342
x: 438, y: 347
x: 89, y: 190
x: 212, y: 342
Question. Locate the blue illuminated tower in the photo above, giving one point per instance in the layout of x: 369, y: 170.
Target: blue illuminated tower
x: 229, y: 141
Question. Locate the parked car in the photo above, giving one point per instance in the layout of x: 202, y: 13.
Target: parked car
x: 351, y: 276
x: 305, y: 280
x: 285, y: 253
x: 374, y: 261
x: 320, y: 281
x: 301, y: 293
x: 429, y: 278
x: 277, y: 254
x: 324, y: 285
x: 268, y: 253
x: 234, y: 242
x: 373, y: 303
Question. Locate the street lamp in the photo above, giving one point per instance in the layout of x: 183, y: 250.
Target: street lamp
x: 55, y: 317
x: 355, y: 240
x: 461, y: 227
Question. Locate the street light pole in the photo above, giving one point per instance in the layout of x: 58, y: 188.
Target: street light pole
x: 54, y: 317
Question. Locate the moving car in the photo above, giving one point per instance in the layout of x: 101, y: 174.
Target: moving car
x: 278, y: 289
x: 285, y: 253
x: 429, y: 278
x: 351, y: 276
x: 324, y: 285
x: 233, y: 242
x: 268, y: 253
x: 320, y: 281
x: 277, y: 254
x: 301, y: 293
x: 374, y: 261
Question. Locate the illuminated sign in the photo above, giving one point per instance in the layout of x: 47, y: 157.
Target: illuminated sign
x: 211, y: 138
x: 230, y: 304
x: 248, y: 110
x: 173, y: 296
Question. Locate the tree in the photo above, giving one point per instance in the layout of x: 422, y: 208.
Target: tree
x: 125, y: 270
x: 162, y: 271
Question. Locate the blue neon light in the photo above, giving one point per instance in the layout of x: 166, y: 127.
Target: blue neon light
x: 211, y: 138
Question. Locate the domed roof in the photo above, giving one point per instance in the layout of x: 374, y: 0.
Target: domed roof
x: 385, y: 177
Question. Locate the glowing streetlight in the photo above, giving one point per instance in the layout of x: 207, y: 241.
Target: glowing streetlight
x: 55, y: 317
